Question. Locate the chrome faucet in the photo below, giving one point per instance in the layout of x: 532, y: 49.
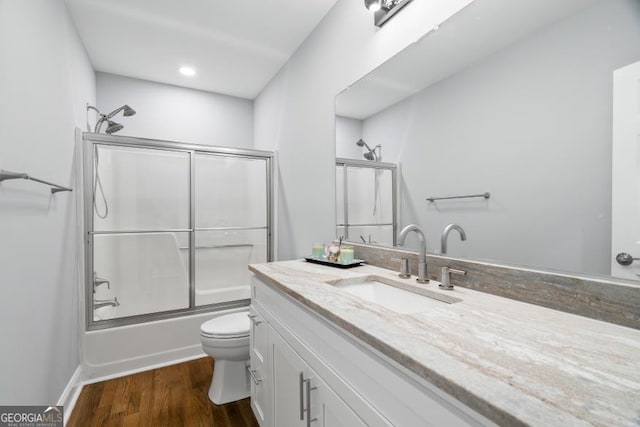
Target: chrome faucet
x: 97, y: 303
x: 422, y: 262
x: 445, y: 235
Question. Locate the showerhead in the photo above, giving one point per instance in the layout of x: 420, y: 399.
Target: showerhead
x: 369, y: 155
x: 126, y: 111
x: 113, y: 127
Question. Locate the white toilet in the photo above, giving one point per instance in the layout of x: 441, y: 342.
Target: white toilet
x: 226, y: 340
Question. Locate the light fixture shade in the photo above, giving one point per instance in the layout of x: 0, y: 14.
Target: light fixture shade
x: 373, y: 5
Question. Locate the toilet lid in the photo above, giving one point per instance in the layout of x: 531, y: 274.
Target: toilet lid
x: 227, y: 326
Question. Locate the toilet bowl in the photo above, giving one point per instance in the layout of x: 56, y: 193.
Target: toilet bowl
x: 226, y: 340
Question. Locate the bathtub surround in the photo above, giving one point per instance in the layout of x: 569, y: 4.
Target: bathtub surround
x: 606, y: 299
x: 45, y: 80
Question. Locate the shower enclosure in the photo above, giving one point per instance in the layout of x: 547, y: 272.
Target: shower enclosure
x: 366, y: 201
x: 170, y: 228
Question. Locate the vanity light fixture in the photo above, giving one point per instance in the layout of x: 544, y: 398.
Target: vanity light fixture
x: 187, y: 71
x: 384, y: 9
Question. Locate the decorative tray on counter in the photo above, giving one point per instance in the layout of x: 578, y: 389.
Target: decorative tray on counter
x: 354, y: 263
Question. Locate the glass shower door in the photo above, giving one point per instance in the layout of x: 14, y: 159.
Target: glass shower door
x: 231, y: 217
x: 140, y: 217
x: 171, y: 227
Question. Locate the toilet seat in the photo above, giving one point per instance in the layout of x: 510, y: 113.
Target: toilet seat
x: 235, y: 325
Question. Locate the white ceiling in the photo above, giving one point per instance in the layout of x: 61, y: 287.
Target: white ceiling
x: 236, y: 46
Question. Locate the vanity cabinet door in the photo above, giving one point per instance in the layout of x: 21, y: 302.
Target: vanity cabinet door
x: 288, y: 391
x: 258, y: 367
x: 332, y: 411
x: 301, y: 398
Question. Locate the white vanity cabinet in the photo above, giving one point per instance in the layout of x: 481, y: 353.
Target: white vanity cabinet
x: 310, y: 373
x: 301, y: 398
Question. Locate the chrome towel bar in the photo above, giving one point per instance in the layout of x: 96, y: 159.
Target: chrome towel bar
x: 4, y: 175
x: 484, y: 195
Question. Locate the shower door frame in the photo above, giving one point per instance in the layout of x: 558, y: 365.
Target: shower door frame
x: 393, y: 167
x: 89, y: 140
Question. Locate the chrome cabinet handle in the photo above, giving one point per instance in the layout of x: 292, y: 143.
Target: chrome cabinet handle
x: 253, y: 318
x: 301, y: 383
x: 624, y: 258
x: 308, y: 410
x: 252, y: 374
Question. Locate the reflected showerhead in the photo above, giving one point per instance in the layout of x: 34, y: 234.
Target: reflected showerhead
x: 113, y: 127
x: 371, y: 154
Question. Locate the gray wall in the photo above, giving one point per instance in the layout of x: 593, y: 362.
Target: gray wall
x: 348, y: 132
x: 45, y: 81
x: 532, y: 124
x: 295, y: 113
x: 177, y: 114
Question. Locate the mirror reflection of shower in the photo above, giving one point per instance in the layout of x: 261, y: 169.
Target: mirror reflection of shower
x: 112, y: 127
x: 371, y: 154
x: 374, y: 157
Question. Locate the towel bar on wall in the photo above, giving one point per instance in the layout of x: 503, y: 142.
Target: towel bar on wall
x: 4, y: 175
x: 484, y: 195
x: 239, y: 245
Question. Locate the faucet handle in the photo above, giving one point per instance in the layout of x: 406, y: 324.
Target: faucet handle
x: 445, y: 277
x: 405, y: 273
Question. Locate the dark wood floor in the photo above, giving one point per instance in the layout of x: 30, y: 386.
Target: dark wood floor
x: 172, y: 396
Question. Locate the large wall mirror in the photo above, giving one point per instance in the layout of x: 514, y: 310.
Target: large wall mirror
x: 517, y: 99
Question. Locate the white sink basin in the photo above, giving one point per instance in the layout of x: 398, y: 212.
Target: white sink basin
x: 398, y: 296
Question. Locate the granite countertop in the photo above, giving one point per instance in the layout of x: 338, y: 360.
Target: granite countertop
x: 513, y: 362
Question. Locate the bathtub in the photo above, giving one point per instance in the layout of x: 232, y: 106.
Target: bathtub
x: 122, y: 350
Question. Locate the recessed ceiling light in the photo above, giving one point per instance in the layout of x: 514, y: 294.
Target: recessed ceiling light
x: 187, y: 71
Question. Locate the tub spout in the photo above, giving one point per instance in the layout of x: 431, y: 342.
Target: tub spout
x: 105, y: 303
